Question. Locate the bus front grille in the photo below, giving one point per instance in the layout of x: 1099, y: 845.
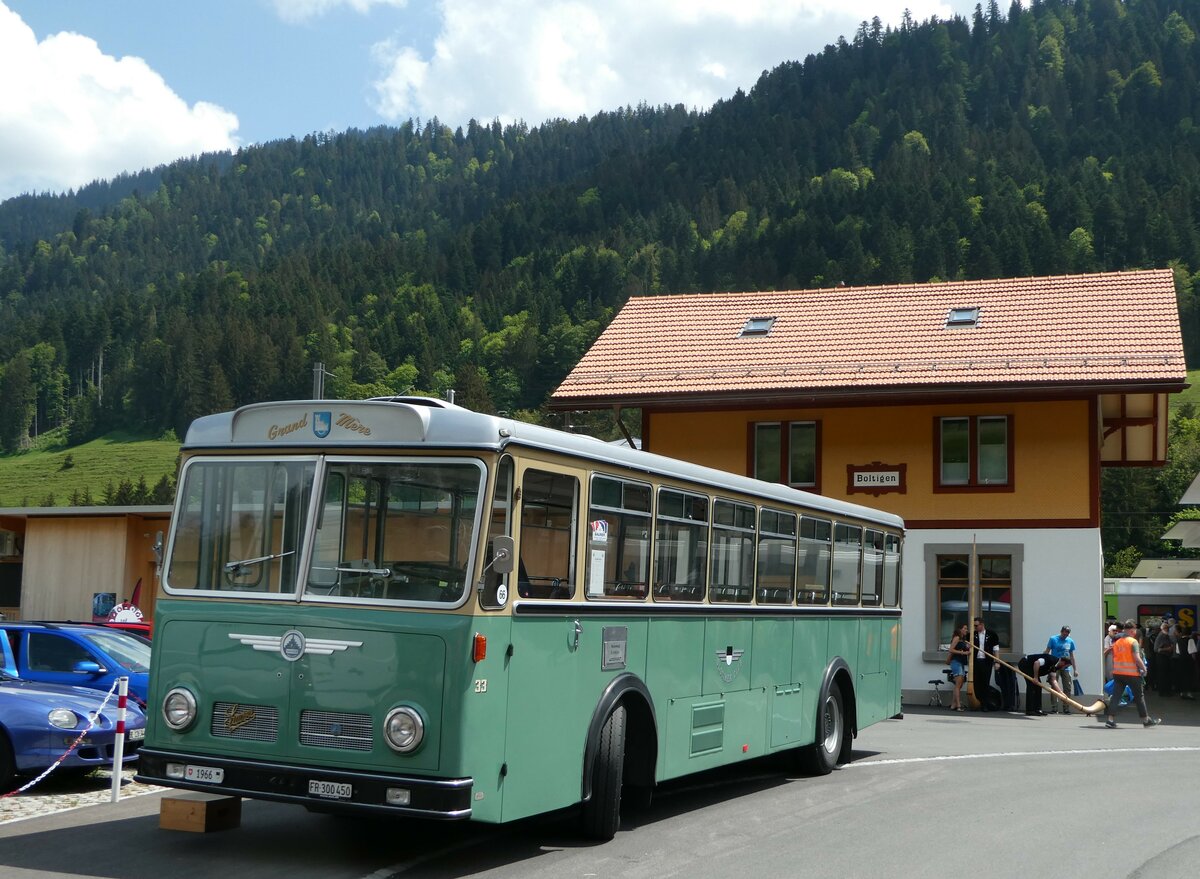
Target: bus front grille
x: 335, y: 729
x: 237, y: 720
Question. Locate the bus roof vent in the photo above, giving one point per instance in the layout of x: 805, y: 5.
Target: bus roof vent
x: 430, y: 402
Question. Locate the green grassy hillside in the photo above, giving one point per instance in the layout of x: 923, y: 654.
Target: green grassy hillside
x: 31, y: 478
x: 1191, y: 395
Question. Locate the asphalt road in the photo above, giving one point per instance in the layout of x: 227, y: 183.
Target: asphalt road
x: 935, y: 793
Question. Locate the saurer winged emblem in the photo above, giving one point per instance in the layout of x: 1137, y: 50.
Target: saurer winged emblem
x: 728, y: 663
x: 291, y: 645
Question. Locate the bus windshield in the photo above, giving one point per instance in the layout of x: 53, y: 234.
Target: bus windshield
x: 396, y: 531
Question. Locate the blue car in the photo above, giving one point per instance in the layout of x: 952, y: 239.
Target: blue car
x: 76, y: 654
x: 39, y: 723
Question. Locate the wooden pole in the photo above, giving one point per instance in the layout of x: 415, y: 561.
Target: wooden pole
x: 972, y: 611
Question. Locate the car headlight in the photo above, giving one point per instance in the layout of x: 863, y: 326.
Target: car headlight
x: 63, y: 718
x: 403, y: 729
x: 179, y: 708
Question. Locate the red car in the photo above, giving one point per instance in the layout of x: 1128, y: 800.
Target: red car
x: 144, y: 629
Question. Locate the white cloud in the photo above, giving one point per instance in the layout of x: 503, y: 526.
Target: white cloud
x: 70, y: 114
x: 296, y: 11
x: 539, y: 59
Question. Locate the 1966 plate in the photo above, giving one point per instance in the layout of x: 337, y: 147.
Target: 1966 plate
x: 208, y: 774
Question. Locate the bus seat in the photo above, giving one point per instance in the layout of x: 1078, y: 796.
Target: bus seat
x: 524, y: 587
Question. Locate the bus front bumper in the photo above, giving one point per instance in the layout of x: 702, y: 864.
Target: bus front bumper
x: 316, y: 788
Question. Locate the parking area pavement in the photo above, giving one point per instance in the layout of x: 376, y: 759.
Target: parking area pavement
x: 939, y: 732
x: 60, y: 792
x: 992, y: 772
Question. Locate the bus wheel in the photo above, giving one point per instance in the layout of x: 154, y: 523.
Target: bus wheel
x: 602, y: 813
x: 821, y: 757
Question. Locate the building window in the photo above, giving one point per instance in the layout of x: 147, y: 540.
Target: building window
x: 998, y: 574
x: 963, y: 317
x: 757, y: 326
x: 788, y: 452
x: 974, y: 452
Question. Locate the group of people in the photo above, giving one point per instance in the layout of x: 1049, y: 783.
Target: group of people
x: 981, y: 650
x: 1124, y: 660
x: 1171, y: 655
x: 1057, y: 663
x: 1174, y: 667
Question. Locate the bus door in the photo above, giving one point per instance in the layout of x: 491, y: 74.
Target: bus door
x: 554, y: 670
x: 874, y: 702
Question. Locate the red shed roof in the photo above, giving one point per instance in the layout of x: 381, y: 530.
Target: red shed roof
x: 1116, y: 332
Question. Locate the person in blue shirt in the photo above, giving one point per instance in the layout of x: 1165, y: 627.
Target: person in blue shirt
x: 1062, y: 647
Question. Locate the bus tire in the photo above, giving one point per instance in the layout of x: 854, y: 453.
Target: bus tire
x: 821, y: 757
x: 602, y: 811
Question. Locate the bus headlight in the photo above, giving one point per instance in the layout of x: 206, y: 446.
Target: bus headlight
x: 179, y: 708
x: 403, y: 729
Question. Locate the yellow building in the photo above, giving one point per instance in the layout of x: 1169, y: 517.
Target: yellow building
x: 980, y: 411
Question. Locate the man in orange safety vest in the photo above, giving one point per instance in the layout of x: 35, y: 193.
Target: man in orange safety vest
x: 1128, y: 668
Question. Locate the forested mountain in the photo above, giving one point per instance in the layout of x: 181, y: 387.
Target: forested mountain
x: 1060, y: 138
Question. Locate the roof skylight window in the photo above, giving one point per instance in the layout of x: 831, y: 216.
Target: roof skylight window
x: 757, y: 326
x: 963, y: 317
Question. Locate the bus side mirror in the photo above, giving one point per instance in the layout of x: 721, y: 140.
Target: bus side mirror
x: 158, y: 548
x: 502, y: 555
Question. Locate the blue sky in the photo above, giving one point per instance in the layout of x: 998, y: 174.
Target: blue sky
x: 90, y: 88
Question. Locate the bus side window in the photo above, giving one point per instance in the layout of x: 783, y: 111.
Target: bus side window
x: 546, y: 556
x: 498, y: 526
x: 815, y: 556
x: 847, y: 563
x: 776, y: 556
x: 732, y: 564
x: 681, y: 546
x: 618, y: 562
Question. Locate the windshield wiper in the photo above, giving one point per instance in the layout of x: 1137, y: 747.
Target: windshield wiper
x: 236, y: 568
x: 374, y: 572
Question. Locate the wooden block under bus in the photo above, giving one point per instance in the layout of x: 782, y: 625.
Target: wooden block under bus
x: 199, y: 812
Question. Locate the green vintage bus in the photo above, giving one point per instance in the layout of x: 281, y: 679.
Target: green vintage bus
x: 401, y: 606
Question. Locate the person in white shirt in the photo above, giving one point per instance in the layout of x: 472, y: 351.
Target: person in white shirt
x: 1108, y: 645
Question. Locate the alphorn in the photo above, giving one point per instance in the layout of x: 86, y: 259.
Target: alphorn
x: 1095, y: 708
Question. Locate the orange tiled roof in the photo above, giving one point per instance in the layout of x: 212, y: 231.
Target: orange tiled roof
x: 1119, y: 329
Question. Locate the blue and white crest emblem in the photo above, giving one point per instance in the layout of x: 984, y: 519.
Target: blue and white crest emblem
x: 322, y: 422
